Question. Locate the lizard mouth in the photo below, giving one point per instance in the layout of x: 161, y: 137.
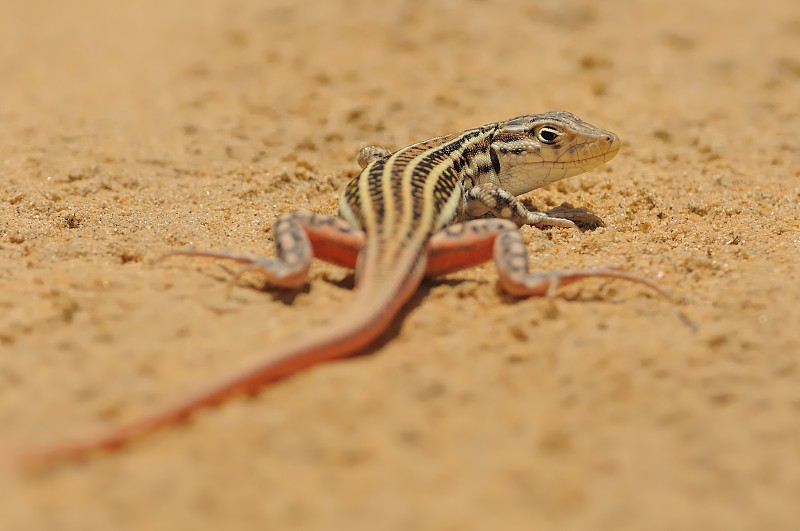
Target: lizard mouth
x: 592, y: 160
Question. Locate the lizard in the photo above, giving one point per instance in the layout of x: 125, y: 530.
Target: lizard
x: 429, y: 209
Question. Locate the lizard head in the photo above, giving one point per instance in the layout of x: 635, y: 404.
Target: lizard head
x: 536, y: 149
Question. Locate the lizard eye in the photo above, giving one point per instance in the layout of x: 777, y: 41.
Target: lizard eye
x: 548, y: 135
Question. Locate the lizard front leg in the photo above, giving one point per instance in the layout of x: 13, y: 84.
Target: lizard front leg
x: 468, y: 244
x: 490, y: 197
x: 299, y: 238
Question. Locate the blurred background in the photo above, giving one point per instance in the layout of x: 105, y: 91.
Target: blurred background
x: 131, y: 128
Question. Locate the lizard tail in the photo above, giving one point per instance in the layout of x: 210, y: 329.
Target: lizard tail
x: 377, y: 301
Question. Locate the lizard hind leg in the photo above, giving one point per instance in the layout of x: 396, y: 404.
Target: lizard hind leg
x: 370, y: 154
x: 468, y: 244
x: 511, y: 260
x: 299, y: 238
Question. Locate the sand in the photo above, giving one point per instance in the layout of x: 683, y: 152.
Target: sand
x: 132, y: 129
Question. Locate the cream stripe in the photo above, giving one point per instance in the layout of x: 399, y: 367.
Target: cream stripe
x: 389, y: 206
x: 367, y: 211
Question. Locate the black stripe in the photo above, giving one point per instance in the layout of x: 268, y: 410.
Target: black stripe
x: 495, y: 161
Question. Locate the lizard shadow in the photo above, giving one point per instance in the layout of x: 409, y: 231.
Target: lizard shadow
x: 414, y: 302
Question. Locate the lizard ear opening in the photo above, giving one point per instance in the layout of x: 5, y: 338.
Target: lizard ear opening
x: 495, y: 160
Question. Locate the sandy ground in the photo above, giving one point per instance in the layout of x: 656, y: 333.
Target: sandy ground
x: 131, y: 129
